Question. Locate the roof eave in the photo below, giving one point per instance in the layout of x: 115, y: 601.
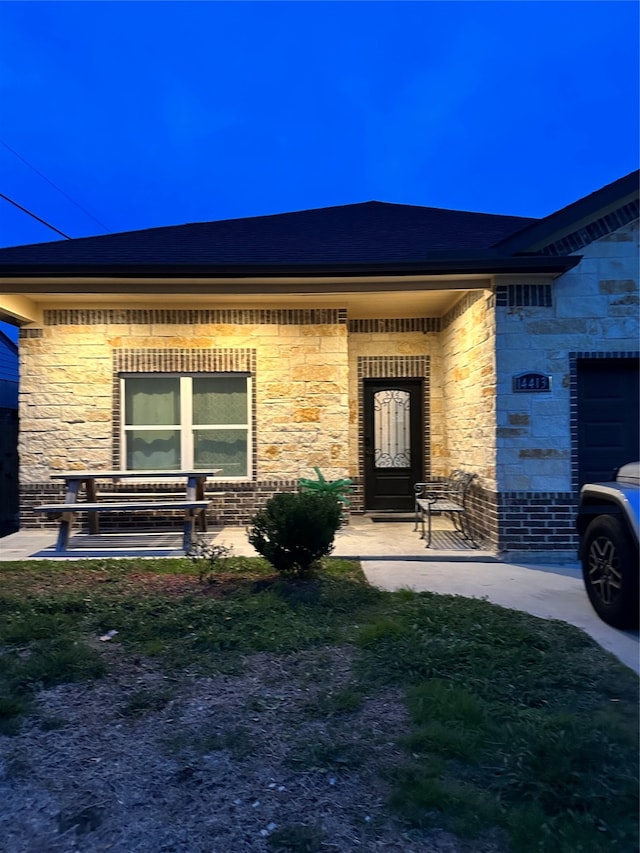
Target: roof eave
x: 436, y: 266
x: 543, y: 232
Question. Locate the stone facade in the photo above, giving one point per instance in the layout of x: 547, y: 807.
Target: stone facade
x: 469, y: 388
x: 307, y: 374
x: 70, y: 388
x: 592, y: 310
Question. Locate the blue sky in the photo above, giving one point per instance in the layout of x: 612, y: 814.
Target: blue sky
x: 148, y: 114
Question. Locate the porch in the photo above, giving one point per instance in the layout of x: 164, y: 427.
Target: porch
x: 364, y: 537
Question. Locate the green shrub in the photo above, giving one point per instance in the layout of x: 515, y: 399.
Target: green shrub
x: 295, y: 530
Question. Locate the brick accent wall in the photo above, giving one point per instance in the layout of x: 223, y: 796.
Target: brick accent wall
x: 537, y: 521
x: 399, y: 325
x: 231, y: 504
x: 523, y: 521
x: 193, y: 316
x: 482, y: 508
x: 524, y: 295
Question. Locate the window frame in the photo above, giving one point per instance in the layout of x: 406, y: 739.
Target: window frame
x: 186, y: 425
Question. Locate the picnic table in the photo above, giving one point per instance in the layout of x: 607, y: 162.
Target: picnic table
x: 193, y: 505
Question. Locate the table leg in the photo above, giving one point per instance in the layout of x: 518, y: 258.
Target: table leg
x: 63, y: 532
x: 187, y: 538
x: 195, y: 492
x: 73, y: 487
x: 71, y: 497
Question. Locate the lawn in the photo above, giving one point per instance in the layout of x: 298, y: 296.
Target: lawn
x: 388, y: 720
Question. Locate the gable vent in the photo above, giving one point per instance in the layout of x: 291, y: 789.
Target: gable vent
x: 523, y: 296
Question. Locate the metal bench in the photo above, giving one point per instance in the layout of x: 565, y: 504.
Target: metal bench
x: 67, y: 512
x: 448, y: 497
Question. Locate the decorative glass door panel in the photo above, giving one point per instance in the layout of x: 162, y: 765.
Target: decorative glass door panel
x: 392, y: 429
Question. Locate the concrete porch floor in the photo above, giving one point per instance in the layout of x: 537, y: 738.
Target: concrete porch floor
x: 360, y: 538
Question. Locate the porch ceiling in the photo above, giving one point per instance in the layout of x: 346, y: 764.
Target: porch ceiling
x: 373, y: 298
x: 359, y: 306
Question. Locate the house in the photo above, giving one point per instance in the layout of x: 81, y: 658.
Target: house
x: 8, y: 435
x: 383, y: 342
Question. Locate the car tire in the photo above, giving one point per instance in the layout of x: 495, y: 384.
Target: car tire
x: 610, y: 571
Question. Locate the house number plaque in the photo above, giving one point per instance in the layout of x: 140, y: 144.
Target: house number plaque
x: 531, y: 382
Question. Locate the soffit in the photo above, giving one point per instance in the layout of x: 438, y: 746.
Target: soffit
x: 385, y: 304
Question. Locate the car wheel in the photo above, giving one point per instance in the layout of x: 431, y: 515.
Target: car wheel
x: 610, y: 572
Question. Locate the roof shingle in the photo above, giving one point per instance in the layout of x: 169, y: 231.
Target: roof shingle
x: 371, y: 232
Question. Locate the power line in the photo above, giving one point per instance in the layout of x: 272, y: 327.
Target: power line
x: 20, y: 207
x: 62, y: 192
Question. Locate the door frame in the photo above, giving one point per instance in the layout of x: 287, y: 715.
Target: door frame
x: 417, y: 427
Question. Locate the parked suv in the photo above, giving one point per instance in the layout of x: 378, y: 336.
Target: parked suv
x: 608, y: 523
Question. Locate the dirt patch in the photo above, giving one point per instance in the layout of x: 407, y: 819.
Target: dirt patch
x: 287, y: 756
x: 96, y: 581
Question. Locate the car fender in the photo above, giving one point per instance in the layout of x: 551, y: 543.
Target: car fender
x: 610, y: 499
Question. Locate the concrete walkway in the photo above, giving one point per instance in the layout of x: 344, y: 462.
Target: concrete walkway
x: 393, y: 556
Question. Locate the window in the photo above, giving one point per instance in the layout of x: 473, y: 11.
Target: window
x: 173, y: 422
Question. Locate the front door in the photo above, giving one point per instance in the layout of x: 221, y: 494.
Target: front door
x: 393, y: 442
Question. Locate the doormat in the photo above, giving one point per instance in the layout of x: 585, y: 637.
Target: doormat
x: 405, y: 519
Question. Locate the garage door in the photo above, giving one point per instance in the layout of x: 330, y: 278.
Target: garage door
x: 608, y: 416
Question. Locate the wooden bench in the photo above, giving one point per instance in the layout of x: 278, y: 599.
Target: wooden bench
x: 67, y: 512
x: 447, y: 496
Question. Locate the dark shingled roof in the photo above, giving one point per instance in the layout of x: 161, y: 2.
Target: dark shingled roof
x: 372, y: 232
x: 623, y: 191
